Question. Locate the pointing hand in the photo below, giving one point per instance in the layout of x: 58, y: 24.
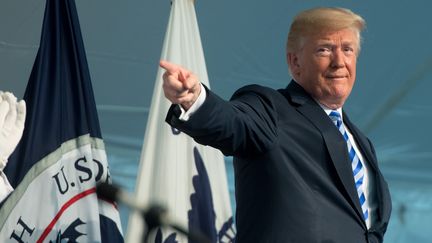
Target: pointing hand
x: 180, y: 85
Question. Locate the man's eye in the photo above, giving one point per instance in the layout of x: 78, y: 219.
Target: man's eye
x: 323, y: 51
x: 348, y: 49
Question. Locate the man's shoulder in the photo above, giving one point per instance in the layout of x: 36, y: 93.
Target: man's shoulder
x: 256, y: 89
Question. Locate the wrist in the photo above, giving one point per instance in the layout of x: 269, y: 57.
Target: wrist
x: 186, y: 113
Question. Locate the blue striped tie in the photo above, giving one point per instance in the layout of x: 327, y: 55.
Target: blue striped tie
x: 356, y: 164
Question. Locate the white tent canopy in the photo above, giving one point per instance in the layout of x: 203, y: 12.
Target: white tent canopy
x: 244, y: 42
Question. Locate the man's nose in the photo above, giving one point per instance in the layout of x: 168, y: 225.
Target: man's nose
x: 338, y: 59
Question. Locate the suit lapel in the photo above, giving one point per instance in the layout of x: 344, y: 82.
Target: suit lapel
x: 334, y: 140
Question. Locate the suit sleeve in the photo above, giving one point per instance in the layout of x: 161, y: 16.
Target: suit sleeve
x: 243, y: 126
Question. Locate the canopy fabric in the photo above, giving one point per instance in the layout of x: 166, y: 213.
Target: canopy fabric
x: 244, y: 42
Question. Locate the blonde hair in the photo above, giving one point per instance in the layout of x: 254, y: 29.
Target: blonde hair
x: 317, y: 20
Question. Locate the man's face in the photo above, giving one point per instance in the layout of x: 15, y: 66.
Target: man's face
x: 326, y: 66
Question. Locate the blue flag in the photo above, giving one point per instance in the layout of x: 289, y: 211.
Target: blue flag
x: 61, y: 156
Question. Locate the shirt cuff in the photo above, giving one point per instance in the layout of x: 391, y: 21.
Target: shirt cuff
x: 185, y: 115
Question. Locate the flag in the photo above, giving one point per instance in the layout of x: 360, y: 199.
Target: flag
x: 61, y: 155
x: 187, y: 178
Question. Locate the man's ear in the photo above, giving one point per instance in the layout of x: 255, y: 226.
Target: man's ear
x: 293, y: 63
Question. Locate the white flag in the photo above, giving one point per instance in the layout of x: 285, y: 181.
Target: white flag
x: 176, y: 172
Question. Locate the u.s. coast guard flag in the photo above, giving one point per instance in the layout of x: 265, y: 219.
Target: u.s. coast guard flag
x: 175, y: 171
x: 61, y: 156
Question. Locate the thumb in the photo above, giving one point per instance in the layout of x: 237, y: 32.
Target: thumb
x: 21, y: 113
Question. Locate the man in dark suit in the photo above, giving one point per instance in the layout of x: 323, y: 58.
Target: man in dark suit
x: 304, y: 172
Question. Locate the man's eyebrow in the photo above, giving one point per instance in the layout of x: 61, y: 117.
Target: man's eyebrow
x: 328, y: 42
x: 325, y: 44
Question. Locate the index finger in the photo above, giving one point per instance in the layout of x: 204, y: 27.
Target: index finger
x: 170, y: 67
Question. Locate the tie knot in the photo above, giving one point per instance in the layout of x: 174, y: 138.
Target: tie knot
x: 336, y: 118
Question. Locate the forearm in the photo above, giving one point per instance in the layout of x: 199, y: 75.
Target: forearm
x: 234, y: 127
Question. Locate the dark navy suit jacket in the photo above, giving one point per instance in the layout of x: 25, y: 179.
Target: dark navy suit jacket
x: 293, y: 178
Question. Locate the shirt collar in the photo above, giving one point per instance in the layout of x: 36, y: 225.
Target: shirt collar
x: 328, y: 110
